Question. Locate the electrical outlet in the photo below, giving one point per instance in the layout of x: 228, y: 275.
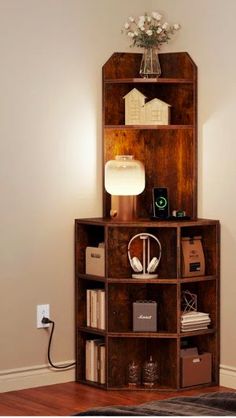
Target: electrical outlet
x: 42, y: 310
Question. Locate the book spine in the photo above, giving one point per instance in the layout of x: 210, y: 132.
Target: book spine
x: 96, y: 361
x: 102, y: 310
x: 88, y: 360
x: 102, y: 361
x: 94, y: 308
x: 88, y: 308
x: 99, y: 291
x: 92, y: 374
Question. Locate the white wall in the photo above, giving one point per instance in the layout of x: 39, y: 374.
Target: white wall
x: 51, y: 54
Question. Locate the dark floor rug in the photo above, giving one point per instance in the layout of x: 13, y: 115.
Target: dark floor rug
x: 211, y: 404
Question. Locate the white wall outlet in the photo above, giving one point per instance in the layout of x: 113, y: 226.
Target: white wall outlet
x: 42, y: 310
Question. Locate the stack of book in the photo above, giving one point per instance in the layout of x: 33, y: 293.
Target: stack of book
x: 194, y: 321
x: 95, y: 308
x: 95, y: 361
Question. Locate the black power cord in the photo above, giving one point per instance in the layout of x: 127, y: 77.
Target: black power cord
x: 49, y: 321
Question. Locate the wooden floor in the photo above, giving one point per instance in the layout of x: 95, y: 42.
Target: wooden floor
x: 69, y: 398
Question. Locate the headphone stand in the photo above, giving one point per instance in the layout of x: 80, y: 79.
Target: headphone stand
x: 144, y: 276
x: 145, y: 270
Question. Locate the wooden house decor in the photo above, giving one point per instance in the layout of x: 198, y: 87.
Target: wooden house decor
x: 137, y: 112
x: 134, y: 104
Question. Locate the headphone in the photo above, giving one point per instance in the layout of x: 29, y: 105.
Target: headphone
x: 135, y: 263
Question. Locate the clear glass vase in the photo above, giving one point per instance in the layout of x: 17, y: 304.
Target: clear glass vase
x: 150, y: 64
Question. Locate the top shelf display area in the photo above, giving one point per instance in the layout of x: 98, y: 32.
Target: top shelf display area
x: 175, y: 67
x: 176, y: 87
x: 168, y: 152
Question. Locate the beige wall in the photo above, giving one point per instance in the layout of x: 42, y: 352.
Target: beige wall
x: 51, y: 54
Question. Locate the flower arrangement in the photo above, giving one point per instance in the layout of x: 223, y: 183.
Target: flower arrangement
x: 148, y: 31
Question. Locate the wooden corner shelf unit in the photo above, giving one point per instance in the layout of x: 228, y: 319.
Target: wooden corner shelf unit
x: 169, y: 154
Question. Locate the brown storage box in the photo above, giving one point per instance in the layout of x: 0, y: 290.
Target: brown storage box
x: 193, y: 261
x: 95, y: 261
x: 196, y: 369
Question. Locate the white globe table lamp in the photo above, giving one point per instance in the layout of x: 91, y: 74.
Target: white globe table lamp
x: 124, y: 180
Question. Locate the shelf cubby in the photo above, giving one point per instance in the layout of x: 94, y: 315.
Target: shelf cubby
x: 123, y: 351
x: 120, y: 305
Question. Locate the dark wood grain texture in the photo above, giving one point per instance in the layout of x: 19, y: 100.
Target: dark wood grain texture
x: 169, y: 153
x: 124, y: 345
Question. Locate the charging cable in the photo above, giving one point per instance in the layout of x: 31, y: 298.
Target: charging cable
x: 49, y: 321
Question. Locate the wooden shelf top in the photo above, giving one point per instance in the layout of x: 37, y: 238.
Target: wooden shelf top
x: 199, y: 332
x: 159, y: 280
x: 145, y: 222
x: 91, y: 330
x: 133, y: 334
x: 168, y: 335
x: 149, y: 127
x: 160, y: 80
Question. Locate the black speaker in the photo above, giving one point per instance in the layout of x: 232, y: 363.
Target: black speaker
x: 160, y: 202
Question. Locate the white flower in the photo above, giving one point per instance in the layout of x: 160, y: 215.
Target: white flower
x: 149, y: 30
x: 176, y: 26
x: 156, y: 15
x: 142, y: 18
x: 140, y: 23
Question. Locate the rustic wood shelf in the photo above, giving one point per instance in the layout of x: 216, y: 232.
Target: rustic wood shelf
x: 122, y: 343
x: 169, y: 154
x: 148, y: 127
x: 90, y: 277
x: 142, y: 335
x: 160, y: 80
x: 92, y: 330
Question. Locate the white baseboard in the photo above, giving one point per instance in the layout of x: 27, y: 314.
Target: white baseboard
x: 30, y: 377
x: 228, y: 376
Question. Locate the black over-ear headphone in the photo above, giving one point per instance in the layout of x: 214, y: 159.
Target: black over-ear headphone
x: 135, y: 263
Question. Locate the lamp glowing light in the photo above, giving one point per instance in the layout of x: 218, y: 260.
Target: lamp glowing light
x: 124, y: 180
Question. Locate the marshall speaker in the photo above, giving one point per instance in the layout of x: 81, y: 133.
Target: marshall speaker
x: 145, y: 316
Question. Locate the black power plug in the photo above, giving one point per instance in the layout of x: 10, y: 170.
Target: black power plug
x: 46, y: 320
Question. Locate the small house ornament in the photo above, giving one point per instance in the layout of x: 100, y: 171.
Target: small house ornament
x: 137, y: 112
